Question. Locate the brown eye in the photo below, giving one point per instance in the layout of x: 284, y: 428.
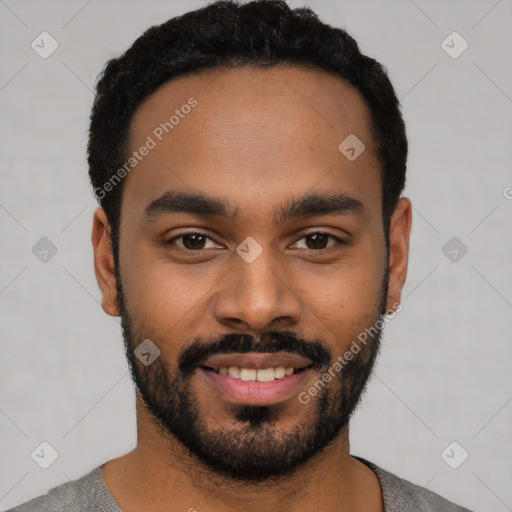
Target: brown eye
x: 319, y: 240
x: 194, y: 241
x: 191, y: 241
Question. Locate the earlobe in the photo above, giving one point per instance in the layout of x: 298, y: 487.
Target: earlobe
x: 399, y: 233
x: 104, y: 262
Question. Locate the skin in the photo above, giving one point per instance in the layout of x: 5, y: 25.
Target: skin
x: 256, y: 138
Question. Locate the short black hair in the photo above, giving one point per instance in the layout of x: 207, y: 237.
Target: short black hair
x: 229, y: 33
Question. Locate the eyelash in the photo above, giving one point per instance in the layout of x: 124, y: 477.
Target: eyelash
x: 329, y: 235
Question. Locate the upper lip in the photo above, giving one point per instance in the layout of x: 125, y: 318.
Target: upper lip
x: 256, y: 360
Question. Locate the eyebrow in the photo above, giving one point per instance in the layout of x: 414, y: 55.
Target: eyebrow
x: 308, y: 205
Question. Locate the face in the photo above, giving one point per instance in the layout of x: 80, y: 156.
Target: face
x: 252, y: 256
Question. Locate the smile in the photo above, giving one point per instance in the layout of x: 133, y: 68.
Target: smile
x: 256, y: 378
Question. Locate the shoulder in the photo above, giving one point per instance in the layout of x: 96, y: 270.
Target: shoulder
x: 400, y: 495
x: 81, y: 495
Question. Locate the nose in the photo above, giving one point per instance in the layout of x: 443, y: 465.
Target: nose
x: 257, y: 296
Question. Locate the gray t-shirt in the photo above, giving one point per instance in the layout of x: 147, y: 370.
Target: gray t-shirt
x: 90, y: 494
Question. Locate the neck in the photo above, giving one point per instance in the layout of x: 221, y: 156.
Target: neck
x: 160, y: 472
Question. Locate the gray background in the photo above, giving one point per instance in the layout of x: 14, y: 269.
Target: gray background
x: 444, y: 372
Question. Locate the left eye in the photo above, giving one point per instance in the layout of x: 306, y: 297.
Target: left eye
x: 318, y: 240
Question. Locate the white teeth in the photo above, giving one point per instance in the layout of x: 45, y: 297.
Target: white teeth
x: 247, y: 374
x: 251, y: 374
x: 265, y: 375
x: 234, y: 371
x: 279, y: 372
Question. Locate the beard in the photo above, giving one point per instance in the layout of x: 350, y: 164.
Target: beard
x: 253, y: 448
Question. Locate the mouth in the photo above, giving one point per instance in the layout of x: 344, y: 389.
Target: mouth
x: 256, y: 378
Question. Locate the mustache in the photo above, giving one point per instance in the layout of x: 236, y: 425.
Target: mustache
x: 271, y: 341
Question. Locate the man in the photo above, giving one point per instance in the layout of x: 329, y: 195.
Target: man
x: 249, y: 162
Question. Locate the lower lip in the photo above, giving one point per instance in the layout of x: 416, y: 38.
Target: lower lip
x: 256, y: 393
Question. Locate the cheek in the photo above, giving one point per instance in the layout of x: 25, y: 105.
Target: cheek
x: 161, y: 297
x: 345, y: 300
x: 352, y: 283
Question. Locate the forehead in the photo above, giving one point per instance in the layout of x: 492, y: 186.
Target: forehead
x: 251, y: 134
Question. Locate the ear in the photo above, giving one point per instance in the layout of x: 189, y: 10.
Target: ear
x: 104, y: 262
x: 399, y: 232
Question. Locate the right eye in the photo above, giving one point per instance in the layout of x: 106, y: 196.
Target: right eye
x: 192, y: 241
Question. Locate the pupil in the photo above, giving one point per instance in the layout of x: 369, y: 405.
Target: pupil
x: 195, y: 241
x: 316, y: 238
